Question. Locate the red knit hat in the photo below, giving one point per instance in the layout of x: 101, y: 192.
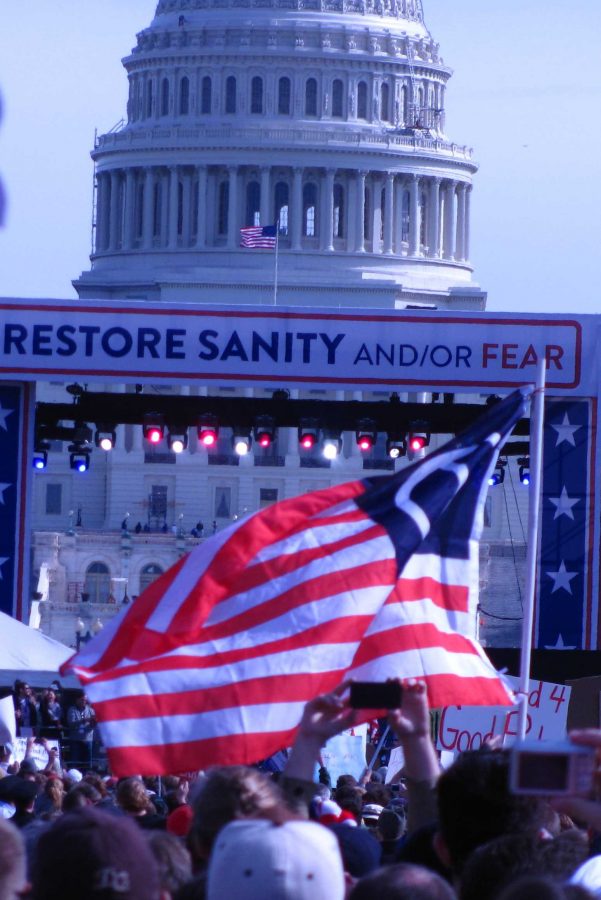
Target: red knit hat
x: 180, y: 820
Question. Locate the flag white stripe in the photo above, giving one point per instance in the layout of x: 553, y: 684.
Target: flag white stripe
x: 319, y: 658
x: 379, y: 548
x: 420, y: 612
x: 317, y: 535
x: 196, y: 564
x: 430, y: 661
x: 264, y: 717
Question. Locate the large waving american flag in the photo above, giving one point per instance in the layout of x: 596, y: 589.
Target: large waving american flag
x: 373, y: 579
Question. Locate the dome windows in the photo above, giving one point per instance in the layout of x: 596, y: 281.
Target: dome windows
x: 362, y: 100
x: 253, y: 203
x: 310, y: 210
x: 230, y: 95
x: 337, y: 99
x: 338, y: 211
x: 311, y: 97
x: 284, y: 96
x: 256, y: 95
x: 281, y: 201
x: 206, y: 91
x: 385, y: 102
x: 165, y: 97
x: 184, y: 96
x: 222, y: 210
x: 148, y: 98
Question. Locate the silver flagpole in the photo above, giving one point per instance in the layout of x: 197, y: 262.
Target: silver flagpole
x: 536, y: 461
x: 275, y: 277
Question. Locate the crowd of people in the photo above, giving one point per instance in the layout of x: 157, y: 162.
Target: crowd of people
x: 242, y: 833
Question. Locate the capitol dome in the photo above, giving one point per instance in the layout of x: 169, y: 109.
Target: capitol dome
x: 323, y: 117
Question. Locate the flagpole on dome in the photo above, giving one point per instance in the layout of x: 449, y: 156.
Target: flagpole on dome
x: 536, y: 460
x: 275, y: 274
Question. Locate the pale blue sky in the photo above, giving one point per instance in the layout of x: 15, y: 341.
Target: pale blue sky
x: 525, y: 94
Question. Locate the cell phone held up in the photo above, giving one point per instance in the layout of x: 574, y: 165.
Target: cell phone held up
x: 376, y: 694
x: 551, y: 769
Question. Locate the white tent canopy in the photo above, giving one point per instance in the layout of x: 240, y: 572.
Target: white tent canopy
x: 29, y: 654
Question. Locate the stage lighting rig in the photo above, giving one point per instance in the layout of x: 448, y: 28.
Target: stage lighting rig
x: 153, y: 427
x: 332, y: 445
x: 498, y: 476
x: 396, y: 446
x: 40, y: 455
x: 105, y: 437
x: 308, y: 433
x: 79, y: 457
x: 366, y: 435
x: 177, y: 440
x: 419, y: 436
x: 264, y: 431
x: 524, y: 470
x: 241, y: 442
x: 208, y: 430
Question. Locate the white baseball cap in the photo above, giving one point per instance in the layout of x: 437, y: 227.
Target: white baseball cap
x: 253, y: 859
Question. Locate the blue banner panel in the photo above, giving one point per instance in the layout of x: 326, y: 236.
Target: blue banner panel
x: 563, y: 616
x: 10, y: 469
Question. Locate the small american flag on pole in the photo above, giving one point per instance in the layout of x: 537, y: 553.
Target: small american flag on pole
x: 259, y: 236
x: 373, y: 579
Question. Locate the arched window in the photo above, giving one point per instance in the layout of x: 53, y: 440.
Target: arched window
x: 310, y: 210
x: 362, y: 100
x: 404, y: 105
x: 253, y: 203
x: 423, y: 216
x: 230, y: 94
x: 139, y: 210
x: 222, y: 210
x: 385, y: 102
x: 156, y: 210
x: 420, y: 106
x: 311, y: 97
x: 284, y: 96
x: 148, y: 98
x: 281, y: 201
x: 256, y: 95
x: 338, y: 211
x: 367, y: 215
x: 97, y: 582
x: 337, y: 102
x: 405, y: 207
x: 184, y: 96
x: 165, y: 97
x: 205, y: 95
x: 180, y: 208
x: 149, y: 574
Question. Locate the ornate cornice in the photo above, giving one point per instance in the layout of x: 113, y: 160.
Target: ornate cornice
x: 406, y: 10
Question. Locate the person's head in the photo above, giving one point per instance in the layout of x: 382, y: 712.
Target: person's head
x: 228, y: 793
x: 360, y: 851
x: 12, y: 862
x: 132, y: 796
x: 475, y: 805
x: 380, y: 794
x: 174, y: 862
x: 49, y: 697
x: 255, y: 859
x: 55, y: 791
x: 81, y: 701
x: 80, y: 796
x: 543, y: 889
x: 390, y: 826
x: 351, y: 799
x: 403, y: 882
x: 346, y: 781
x: 494, y: 865
x: 94, y: 855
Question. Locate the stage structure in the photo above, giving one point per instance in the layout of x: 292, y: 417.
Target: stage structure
x: 401, y: 352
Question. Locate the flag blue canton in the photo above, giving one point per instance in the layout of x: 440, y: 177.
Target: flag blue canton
x: 562, y: 619
x: 10, y: 406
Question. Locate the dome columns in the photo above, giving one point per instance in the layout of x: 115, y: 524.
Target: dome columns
x: 382, y: 212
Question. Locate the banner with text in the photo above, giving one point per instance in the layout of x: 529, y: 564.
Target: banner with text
x: 137, y: 341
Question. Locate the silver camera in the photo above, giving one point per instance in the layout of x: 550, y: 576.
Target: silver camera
x: 551, y: 769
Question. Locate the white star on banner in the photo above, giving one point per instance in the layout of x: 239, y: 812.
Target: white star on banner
x: 565, y: 432
x: 563, y: 505
x: 2, y: 489
x: 3, y: 559
x: 3, y: 414
x: 559, y: 645
x: 562, y: 578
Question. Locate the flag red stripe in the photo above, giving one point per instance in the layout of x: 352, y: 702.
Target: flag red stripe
x: 289, y: 688
x: 342, y: 630
x: 319, y: 588
x: 411, y: 636
x: 452, y: 597
x: 443, y: 690
x: 190, y: 756
x: 228, y: 563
